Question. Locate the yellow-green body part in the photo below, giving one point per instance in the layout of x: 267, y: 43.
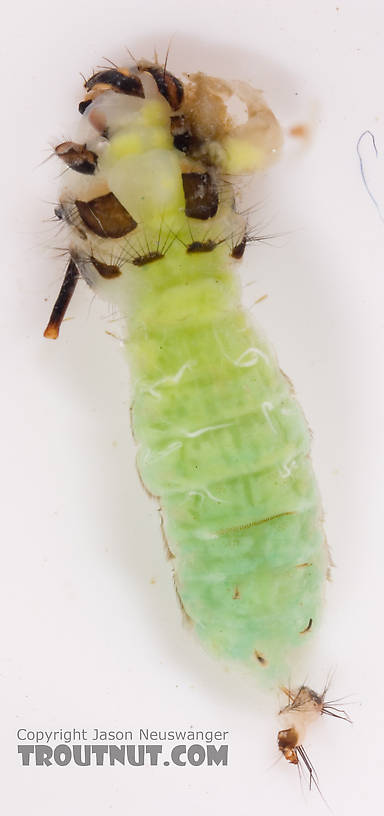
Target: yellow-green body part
x: 222, y: 440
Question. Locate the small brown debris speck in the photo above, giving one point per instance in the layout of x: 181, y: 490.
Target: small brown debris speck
x: 300, y: 132
x: 260, y: 658
x: 260, y: 299
x: 307, y: 628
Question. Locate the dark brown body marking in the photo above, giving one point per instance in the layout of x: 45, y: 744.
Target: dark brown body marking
x: 238, y: 249
x: 77, y: 157
x: 142, y: 260
x: 106, y: 217
x: 201, y: 196
x: 183, y: 138
x: 107, y: 271
x: 201, y: 246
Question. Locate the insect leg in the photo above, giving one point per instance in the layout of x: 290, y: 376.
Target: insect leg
x: 64, y: 297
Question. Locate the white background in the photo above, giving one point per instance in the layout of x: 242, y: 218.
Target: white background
x: 92, y: 634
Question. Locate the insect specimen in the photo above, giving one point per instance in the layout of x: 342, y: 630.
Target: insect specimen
x: 150, y: 206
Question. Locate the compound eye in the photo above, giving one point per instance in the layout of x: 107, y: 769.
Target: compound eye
x: 168, y: 85
x: 112, y: 79
x: 122, y: 81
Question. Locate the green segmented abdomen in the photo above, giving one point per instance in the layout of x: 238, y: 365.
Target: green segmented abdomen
x: 224, y: 444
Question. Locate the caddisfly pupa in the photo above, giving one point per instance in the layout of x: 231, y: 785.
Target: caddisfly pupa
x: 149, y: 202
